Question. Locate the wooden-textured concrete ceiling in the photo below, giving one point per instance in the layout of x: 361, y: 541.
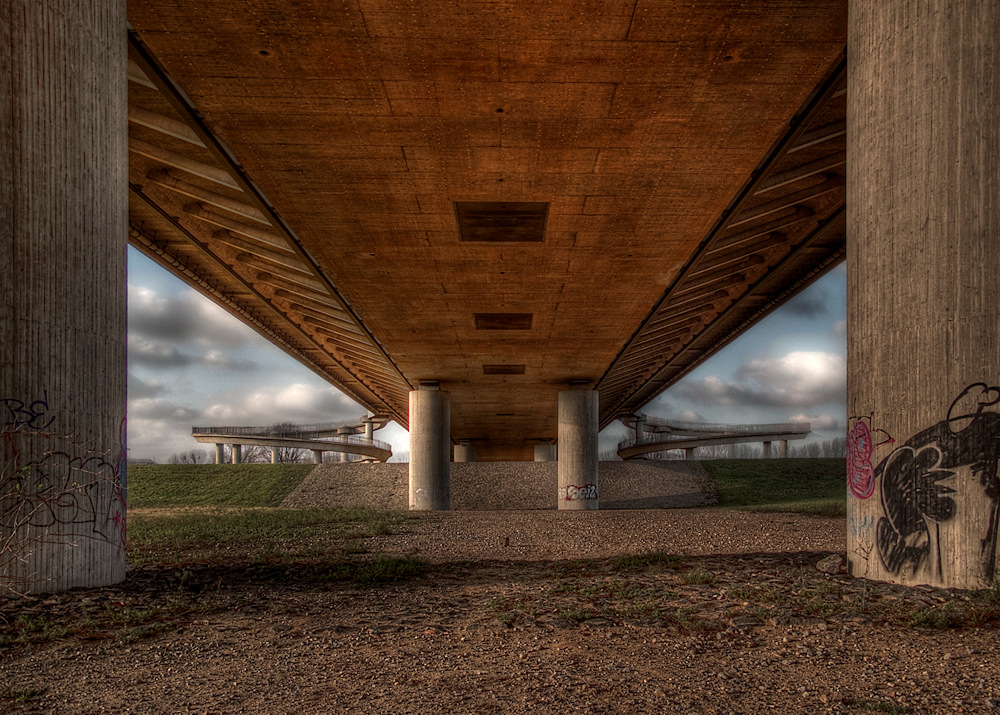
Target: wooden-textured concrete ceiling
x: 687, y: 153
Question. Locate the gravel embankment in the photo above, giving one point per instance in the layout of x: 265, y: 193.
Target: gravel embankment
x: 488, y: 486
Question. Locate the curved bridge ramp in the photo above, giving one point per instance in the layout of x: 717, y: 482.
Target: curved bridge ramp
x: 489, y: 486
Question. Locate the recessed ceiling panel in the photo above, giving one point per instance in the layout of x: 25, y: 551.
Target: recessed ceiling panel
x: 501, y: 221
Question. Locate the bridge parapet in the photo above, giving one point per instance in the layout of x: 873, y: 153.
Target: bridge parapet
x: 321, y: 437
x: 660, y: 435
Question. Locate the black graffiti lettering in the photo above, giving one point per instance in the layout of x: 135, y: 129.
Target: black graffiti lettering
x: 914, y: 499
x: 66, y: 489
x: 31, y: 415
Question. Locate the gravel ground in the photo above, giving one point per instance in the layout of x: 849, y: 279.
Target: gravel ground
x: 489, y: 486
x: 526, y: 611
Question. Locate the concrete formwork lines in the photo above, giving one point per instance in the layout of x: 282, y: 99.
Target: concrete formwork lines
x: 923, y: 300
x: 62, y: 137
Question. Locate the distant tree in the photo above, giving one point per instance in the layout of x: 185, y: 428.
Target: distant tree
x: 835, y: 447
x: 255, y: 454
x: 746, y: 451
x: 403, y: 456
x: 193, y: 456
x: 714, y: 451
x: 287, y: 455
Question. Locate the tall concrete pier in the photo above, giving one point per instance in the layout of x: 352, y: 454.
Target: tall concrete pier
x: 63, y: 233
x: 430, y: 450
x: 923, y: 212
x: 578, y: 452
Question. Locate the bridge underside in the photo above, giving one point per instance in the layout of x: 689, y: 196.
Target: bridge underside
x: 503, y: 197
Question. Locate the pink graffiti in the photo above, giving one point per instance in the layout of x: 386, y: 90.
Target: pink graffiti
x: 860, y: 473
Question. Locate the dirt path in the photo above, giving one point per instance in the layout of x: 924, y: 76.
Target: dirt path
x: 555, y: 621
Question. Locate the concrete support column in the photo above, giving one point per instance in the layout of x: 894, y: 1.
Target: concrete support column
x: 783, y: 449
x: 237, y: 450
x: 689, y: 454
x: 578, y: 455
x: 344, y: 435
x: 640, y: 429
x: 766, y: 450
x: 545, y: 452
x: 63, y: 229
x: 317, y: 456
x: 220, y: 453
x: 274, y: 455
x: 923, y: 223
x: 430, y: 450
x: 465, y: 452
x: 369, y: 430
x: 731, y: 451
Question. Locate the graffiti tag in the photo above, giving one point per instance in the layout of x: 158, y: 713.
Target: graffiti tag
x: 575, y: 493
x: 32, y: 415
x: 914, y: 498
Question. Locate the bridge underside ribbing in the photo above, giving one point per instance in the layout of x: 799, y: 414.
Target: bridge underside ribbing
x: 393, y: 208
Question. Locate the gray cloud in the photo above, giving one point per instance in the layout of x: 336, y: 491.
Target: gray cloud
x: 160, y: 354
x: 818, y: 423
x: 799, y: 379
x: 141, y: 389
x: 185, y: 318
x: 808, y: 304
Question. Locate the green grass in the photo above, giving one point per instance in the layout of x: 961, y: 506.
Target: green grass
x: 253, y: 534
x: 22, y: 695
x: 213, y: 484
x: 804, y: 486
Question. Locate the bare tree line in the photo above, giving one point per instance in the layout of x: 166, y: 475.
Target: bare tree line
x: 250, y: 454
x: 828, y: 449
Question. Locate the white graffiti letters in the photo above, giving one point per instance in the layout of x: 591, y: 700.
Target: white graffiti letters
x: 574, y: 493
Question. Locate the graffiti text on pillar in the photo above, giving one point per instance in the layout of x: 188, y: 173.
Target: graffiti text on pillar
x: 573, y: 492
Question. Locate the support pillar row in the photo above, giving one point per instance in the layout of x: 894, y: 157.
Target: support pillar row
x: 578, y: 455
x: 430, y: 450
x: 923, y: 299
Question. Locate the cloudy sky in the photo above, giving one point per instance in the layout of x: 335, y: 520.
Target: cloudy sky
x: 191, y: 363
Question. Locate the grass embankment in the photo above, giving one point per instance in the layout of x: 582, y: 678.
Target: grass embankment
x: 804, y: 486
x: 207, y: 513
x: 251, y: 485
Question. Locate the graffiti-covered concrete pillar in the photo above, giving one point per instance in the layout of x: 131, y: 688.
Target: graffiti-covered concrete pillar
x: 430, y: 450
x: 578, y: 455
x: 63, y: 229
x: 923, y: 222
